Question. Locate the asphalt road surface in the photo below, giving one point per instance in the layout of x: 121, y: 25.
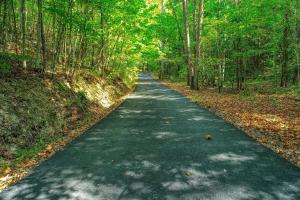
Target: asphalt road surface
x: 153, y: 147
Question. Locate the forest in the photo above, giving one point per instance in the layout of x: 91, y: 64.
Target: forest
x: 65, y: 64
x: 231, y: 42
x: 238, y: 43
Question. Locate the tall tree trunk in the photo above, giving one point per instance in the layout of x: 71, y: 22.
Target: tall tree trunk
x: 69, y: 41
x: 221, y: 51
x: 41, y: 37
x: 222, y: 72
x: 195, y: 75
x: 23, y: 30
x: 15, y: 26
x: 239, y: 61
x: 4, y: 25
x: 195, y: 27
x: 187, y: 41
x: 162, y: 45
x: 180, y: 39
x: 285, y: 54
x: 102, y: 42
x: 58, y: 44
x: 180, y: 34
x: 296, y: 36
x: 55, y: 26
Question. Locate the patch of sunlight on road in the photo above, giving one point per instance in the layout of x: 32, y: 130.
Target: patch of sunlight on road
x: 232, y: 157
x: 165, y: 134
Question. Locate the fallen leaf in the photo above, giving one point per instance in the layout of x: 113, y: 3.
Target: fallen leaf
x: 6, y: 171
x: 188, y: 174
x: 49, y: 147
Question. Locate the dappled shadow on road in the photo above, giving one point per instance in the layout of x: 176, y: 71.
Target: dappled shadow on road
x: 153, y: 147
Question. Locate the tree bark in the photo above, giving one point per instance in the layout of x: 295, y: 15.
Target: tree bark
x: 102, y: 42
x: 14, y: 26
x: 187, y: 41
x: 199, y: 25
x: 41, y: 37
x: 296, y: 36
x: 180, y: 39
x: 23, y: 30
x: 162, y: 44
x: 180, y: 34
x: 195, y: 27
x: 4, y: 25
x: 285, y: 54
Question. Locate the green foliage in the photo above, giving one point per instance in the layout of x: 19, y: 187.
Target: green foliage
x: 245, y: 38
x: 81, y: 95
x: 27, y: 153
x: 5, y: 68
x: 100, y: 35
x: 182, y: 73
x: 8, y: 60
x: 60, y: 87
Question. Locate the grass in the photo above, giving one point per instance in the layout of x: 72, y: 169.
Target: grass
x: 27, y: 153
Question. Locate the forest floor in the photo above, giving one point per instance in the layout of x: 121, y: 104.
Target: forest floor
x: 271, y: 119
x: 40, y: 114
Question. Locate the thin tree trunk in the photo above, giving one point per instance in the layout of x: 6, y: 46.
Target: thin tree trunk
x: 4, y: 25
x: 285, y: 55
x: 180, y: 39
x: 162, y: 45
x: 58, y: 44
x: 41, y: 37
x: 180, y: 34
x: 187, y: 41
x: 23, y: 30
x: 102, y: 42
x: 195, y: 27
x: 15, y: 27
x: 53, y: 42
x: 296, y: 36
x: 198, y: 47
x: 239, y: 62
x: 222, y: 73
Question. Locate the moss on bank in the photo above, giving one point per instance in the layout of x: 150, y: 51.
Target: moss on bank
x: 36, y: 111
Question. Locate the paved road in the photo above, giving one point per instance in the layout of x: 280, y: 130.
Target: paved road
x: 153, y: 147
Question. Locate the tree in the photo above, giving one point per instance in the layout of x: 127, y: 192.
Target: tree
x: 41, y: 49
x: 161, y: 75
x: 285, y: 54
x: 198, y: 33
x: 256, y: 41
x: 187, y: 42
x: 23, y: 29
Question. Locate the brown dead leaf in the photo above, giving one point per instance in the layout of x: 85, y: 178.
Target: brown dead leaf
x: 188, y: 174
x: 262, y: 140
x: 6, y: 171
x: 49, y: 148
